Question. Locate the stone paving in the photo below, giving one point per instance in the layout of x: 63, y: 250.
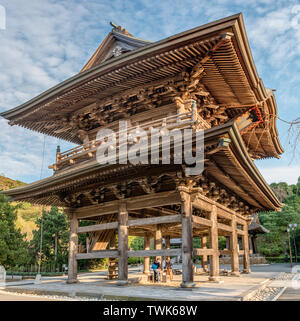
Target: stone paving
x: 96, y: 285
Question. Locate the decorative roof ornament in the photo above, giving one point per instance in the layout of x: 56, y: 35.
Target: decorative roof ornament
x: 117, y: 51
x: 120, y: 29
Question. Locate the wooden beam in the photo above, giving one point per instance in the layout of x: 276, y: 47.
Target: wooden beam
x: 205, y: 203
x: 240, y: 232
x: 133, y: 203
x: 224, y: 227
x: 202, y: 204
x: 98, y: 255
x: 147, y: 253
x: 225, y: 252
x: 203, y: 252
x: 155, y: 220
x: 97, y: 227
x: 201, y: 221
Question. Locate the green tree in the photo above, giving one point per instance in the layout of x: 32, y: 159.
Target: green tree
x: 275, y: 242
x: 13, y: 245
x: 55, y: 227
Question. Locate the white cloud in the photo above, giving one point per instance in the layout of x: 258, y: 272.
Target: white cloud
x: 48, y: 41
x: 288, y: 174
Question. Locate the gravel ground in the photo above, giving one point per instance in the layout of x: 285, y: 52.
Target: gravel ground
x: 269, y: 293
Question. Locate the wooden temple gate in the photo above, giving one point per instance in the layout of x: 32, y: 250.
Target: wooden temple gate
x: 203, y: 79
x: 187, y: 199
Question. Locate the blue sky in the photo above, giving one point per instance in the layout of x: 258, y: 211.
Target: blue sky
x: 48, y: 41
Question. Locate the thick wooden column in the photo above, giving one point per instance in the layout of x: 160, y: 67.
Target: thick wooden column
x: 254, y: 244
x: 73, y: 247
x: 234, y: 247
x: 227, y: 243
x: 123, y: 245
x: 214, y: 245
x: 246, y: 256
x: 147, y: 258
x: 158, y: 241
x: 187, y: 241
x: 204, y: 257
x: 168, y: 245
x: 112, y: 265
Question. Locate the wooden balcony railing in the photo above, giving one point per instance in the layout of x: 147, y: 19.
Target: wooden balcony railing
x: 88, y: 151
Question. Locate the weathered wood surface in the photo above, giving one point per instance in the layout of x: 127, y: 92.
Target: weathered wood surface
x: 201, y: 221
x: 133, y: 203
x: 234, y: 248
x: 187, y: 240
x: 204, y: 260
x: 73, y: 247
x: 123, y: 243
x: 98, y: 255
x: 224, y: 227
x: 156, y: 253
x: 155, y: 220
x: 203, y: 252
x: 214, y: 245
x: 245, y: 243
x: 97, y: 227
x: 146, y: 258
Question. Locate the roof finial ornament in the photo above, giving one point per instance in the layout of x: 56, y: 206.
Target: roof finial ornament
x: 119, y: 29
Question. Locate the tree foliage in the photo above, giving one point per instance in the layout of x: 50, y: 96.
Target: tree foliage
x: 55, y: 235
x: 275, y: 242
x: 13, y: 245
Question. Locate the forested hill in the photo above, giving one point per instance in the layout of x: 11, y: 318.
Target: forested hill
x: 8, y: 183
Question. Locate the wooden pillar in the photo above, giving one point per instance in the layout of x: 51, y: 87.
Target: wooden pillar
x: 123, y: 245
x: 87, y: 244
x: 234, y: 247
x: 158, y: 242
x: 73, y: 247
x: 187, y: 241
x: 214, y: 245
x: 250, y: 244
x: 112, y: 265
x: 246, y: 256
x: 168, y: 245
x: 147, y: 258
x: 254, y: 244
x: 204, y: 257
x: 227, y: 242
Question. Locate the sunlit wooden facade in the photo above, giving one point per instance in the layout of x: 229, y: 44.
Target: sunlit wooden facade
x: 204, y: 78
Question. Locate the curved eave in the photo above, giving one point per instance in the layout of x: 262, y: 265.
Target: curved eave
x: 234, y: 23
x: 122, y: 60
x: 255, y: 81
x: 255, y: 173
x: 265, y: 196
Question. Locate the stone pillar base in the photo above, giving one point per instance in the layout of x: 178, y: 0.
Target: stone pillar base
x: 214, y: 279
x: 72, y: 281
x: 187, y: 285
x: 235, y: 273
x: 122, y: 282
x: 246, y: 271
x: 146, y: 272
